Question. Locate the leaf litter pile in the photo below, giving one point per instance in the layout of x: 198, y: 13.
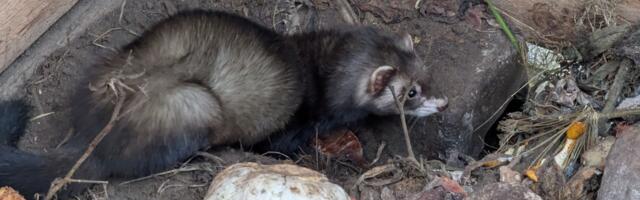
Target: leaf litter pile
x: 580, y: 98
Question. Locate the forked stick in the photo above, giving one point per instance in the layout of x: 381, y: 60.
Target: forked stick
x: 58, y: 183
x: 403, y: 121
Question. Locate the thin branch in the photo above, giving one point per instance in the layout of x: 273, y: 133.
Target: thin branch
x: 403, y: 121
x: 614, y: 92
x: 378, y: 153
x: 347, y: 12
x: 211, y: 157
x: 57, y: 184
x: 173, y: 171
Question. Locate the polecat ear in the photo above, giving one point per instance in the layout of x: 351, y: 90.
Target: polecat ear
x: 380, y: 78
x: 407, y: 42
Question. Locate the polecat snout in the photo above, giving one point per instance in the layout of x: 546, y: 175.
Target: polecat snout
x: 212, y: 78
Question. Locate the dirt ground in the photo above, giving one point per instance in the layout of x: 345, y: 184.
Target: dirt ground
x: 51, y: 86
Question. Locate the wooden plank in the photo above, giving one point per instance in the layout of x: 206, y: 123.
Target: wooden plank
x: 70, y: 27
x: 23, y: 21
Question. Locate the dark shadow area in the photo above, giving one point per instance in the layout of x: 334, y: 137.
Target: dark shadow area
x: 491, y: 140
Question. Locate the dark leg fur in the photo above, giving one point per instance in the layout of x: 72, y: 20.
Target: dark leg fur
x: 294, y: 141
x: 28, y: 173
x: 297, y: 138
x: 13, y: 121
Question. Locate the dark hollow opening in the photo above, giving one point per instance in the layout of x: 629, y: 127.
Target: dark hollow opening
x: 491, y: 140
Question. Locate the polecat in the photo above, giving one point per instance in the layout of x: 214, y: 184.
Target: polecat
x: 204, y: 78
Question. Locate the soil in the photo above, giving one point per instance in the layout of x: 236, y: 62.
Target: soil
x: 50, y: 87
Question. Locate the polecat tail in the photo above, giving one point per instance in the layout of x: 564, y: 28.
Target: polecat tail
x: 13, y: 120
x: 32, y: 174
x: 25, y: 172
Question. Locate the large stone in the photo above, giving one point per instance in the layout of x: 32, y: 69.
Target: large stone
x: 621, y: 179
x: 282, y: 181
x: 477, y: 71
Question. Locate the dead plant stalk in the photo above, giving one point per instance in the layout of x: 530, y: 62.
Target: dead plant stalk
x: 403, y: 121
x: 57, y: 184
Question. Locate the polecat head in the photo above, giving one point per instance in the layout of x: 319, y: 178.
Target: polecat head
x: 387, y: 81
x: 392, y: 74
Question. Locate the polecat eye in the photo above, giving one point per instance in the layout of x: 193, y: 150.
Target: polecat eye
x: 412, y: 92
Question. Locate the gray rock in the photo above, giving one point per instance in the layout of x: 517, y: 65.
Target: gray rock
x: 621, y: 179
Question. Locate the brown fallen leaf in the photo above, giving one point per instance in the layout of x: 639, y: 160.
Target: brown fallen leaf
x: 341, y: 144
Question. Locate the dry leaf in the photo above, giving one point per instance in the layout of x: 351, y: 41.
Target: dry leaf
x: 341, y: 144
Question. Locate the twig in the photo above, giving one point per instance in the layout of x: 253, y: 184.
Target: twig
x: 347, y: 12
x: 275, y: 12
x: 164, y: 186
x: 503, y: 25
x: 377, y: 171
x: 276, y: 153
x: 211, y: 157
x: 173, y: 171
x: 535, y: 32
x: 616, y: 86
x: 65, y: 139
x: 41, y: 116
x: 403, y: 121
x: 378, y: 154
x: 102, y: 36
x: 88, y: 181
x: 121, y: 27
x: 417, y: 5
x: 121, y: 17
x: 57, y: 184
x: 354, y: 168
x: 614, y: 92
x: 106, y: 191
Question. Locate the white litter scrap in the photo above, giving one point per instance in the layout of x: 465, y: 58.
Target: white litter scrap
x: 542, y: 58
x: 629, y: 103
x: 283, y: 181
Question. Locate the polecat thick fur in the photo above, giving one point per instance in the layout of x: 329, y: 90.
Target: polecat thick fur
x: 201, y: 79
